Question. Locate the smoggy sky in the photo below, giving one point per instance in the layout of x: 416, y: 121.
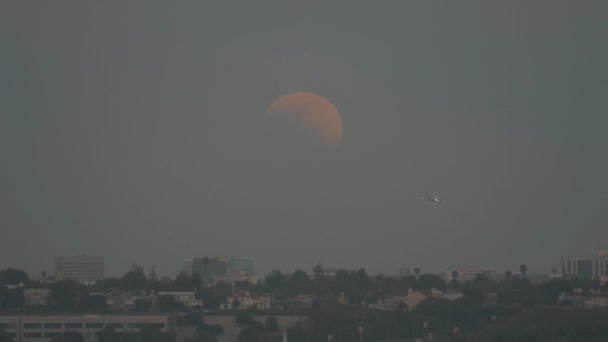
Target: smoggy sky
x: 135, y: 130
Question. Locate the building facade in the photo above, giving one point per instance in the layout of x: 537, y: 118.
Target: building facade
x: 247, y: 300
x: 186, y: 298
x: 240, y: 265
x: 84, y: 269
x: 206, y: 268
x: 45, y: 327
x: 468, y: 274
x: 595, y: 267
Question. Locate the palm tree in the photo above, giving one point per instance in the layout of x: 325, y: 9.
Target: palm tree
x: 417, y: 271
x: 523, y: 269
x: 454, y: 275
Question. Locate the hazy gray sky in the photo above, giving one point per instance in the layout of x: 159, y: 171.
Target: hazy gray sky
x: 135, y: 130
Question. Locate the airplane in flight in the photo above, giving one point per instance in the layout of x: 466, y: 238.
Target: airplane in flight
x: 433, y: 199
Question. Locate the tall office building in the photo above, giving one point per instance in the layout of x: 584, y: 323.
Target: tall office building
x: 586, y: 267
x: 240, y: 265
x: 206, y: 268
x: 85, y: 269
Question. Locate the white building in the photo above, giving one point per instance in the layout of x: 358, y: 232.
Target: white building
x: 247, y: 301
x: 186, y: 298
x: 36, y: 297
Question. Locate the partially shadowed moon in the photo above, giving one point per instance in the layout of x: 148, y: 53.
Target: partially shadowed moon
x: 311, y: 113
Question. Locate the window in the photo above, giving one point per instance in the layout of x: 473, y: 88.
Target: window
x: 52, y: 335
x: 94, y: 325
x: 114, y: 325
x: 52, y: 325
x: 134, y: 325
x: 156, y: 325
x: 32, y: 326
x: 32, y: 335
x: 8, y: 326
x: 73, y: 325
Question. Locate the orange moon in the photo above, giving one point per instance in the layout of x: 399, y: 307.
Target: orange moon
x: 311, y: 112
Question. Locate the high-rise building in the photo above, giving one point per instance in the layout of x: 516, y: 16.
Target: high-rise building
x: 586, y: 267
x: 188, y: 266
x: 206, y: 268
x: 84, y: 269
x: 240, y: 265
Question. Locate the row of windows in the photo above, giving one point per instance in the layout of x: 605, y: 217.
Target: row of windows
x: 35, y: 326
x: 30, y: 335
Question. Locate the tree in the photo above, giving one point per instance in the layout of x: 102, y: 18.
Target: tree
x: 66, y: 294
x: 454, y: 275
x: 135, y: 280
x: 272, y: 325
x: 299, y: 281
x: 236, y: 303
x: 508, y: 275
x: 12, y: 298
x: 11, y: 276
x: 94, y: 303
x: 252, y: 333
x: 342, y: 279
x: 184, y: 282
x: 523, y: 268
x: 409, y: 282
x: 275, y: 281
x: 317, y: 270
x: 245, y: 286
x: 167, y: 303
x: 431, y: 281
x: 417, y: 271
x: 143, y: 304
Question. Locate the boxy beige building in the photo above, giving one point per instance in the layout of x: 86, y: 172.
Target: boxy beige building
x: 85, y: 269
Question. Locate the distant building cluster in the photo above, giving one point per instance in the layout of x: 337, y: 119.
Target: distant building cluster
x: 214, y: 270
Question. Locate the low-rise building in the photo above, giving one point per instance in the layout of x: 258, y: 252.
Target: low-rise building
x: 36, y: 297
x: 412, y: 299
x: 449, y: 294
x: 39, y: 328
x: 186, y: 298
x: 467, y: 274
x: 234, y: 278
x: 247, y: 300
